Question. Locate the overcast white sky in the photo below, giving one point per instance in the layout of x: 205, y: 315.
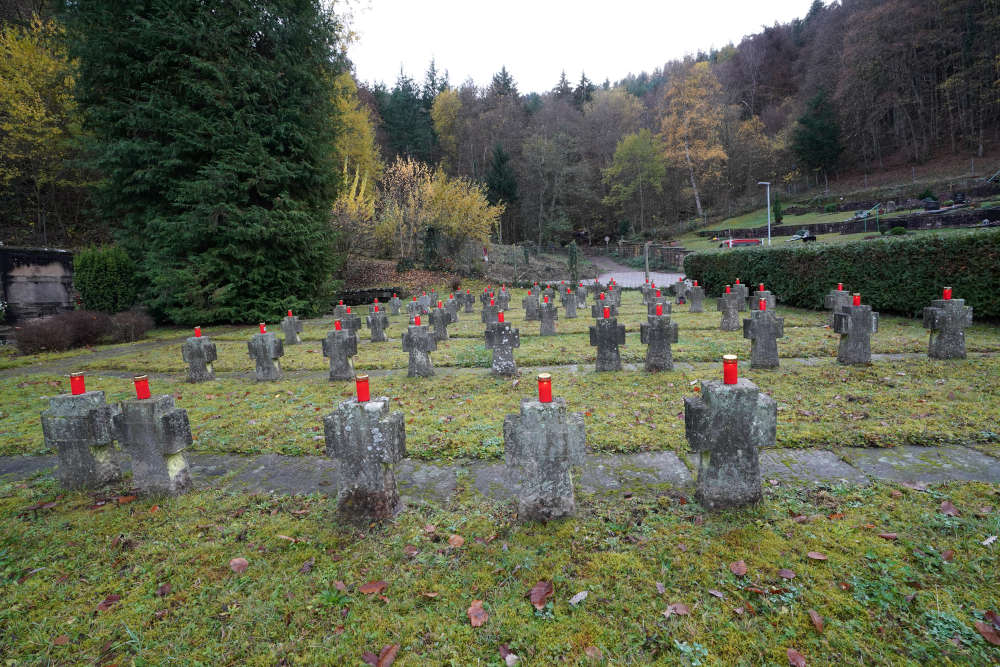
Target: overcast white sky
x: 536, y: 39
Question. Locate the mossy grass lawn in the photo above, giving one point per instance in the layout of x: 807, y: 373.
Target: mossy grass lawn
x: 893, y: 576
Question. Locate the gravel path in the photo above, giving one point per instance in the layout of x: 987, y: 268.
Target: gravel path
x: 629, y: 277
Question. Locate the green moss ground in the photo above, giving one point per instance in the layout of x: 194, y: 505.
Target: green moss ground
x: 882, y: 601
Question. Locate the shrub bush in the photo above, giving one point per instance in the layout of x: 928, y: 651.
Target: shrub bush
x: 86, y: 327
x: 898, y: 231
x: 44, y: 334
x: 130, y: 326
x: 830, y: 208
x: 894, y: 274
x: 106, y: 279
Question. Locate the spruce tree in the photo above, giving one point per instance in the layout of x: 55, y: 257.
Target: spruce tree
x: 816, y: 138
x: 213, y: 126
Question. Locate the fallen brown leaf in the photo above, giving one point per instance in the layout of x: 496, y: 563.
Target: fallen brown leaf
x: 816, y: 555
x: 540, y: 593
x: 410, y: 550
x: 718, y: 594
x: 817, y: 620
x: 125, y: 500
x: 456, y: 541
x: 373, y: 587
x: 988, y: 632
x: 307, y: 566
x: 796, y: 659
x: 739, y: 568
x: 477, y: 615
x: 239, y: 565
x: 660, y: 588
x: 948, y: 555
x: 108, y: 602
x: 785, y: 573
x: 163, y: 591
x: 387, y: 656
x: 888, y: 536
x: 61, y: 640
x: 678, y: 608
x: 948, y: 509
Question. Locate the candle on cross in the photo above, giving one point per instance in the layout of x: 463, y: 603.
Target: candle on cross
x: 500, y: 316
x: 544, y: 388
x: 336, y: 325
x: 361, y: 381
x: 729, y: 369
x: 946, y: 293
x: 263, y: 328
x: 141, y: 387
x: 659, y: 309
x: 197, y: 332
x: 77, y: 385
x: 857, y: 298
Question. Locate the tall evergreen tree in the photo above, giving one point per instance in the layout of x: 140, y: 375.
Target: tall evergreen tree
x: 583, y: 92
x: 816, y: 139
x: 563, y: 91
x: 501, y: 185
x: 213, y: 125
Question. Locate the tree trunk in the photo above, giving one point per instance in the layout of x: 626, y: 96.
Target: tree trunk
x: 694, y: 186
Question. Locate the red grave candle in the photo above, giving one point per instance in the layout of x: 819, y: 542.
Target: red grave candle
x: 493, y: 302
x: 141, y: 387
x: 416, y: 320
x: 762, y: 304
x: 652, y: 284
x: 376, y: 307
x: 602, y: 296
x: 500, y: 316
x: 348, y: 310
x: 440, y: 305
x: 197, y: 332
x: 729, y: 289
x: 340, y: 303
x: 760, y: 288
x: 545, y: 299
x: 468, y: 292
x: 857, y: 299
x: 607, y: 312
x: 336, y: 325
x: 414, y: 298
x: 376, y: 299
x: 729, y: 369
x: 263, y: 327
x: 394, y: 295
x: 450, y: 296
x: 658, y: 293
x: 659, y: 309
x: 946, y: 293
x: 289, y: 313
x: 696, y: 283
x: 544, y: 388
x: 77, y: 385
x: 737, y: 281
x: 361, y: 381
x: 840, y: 287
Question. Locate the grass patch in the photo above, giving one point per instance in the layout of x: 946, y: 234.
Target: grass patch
x: 148, y: 582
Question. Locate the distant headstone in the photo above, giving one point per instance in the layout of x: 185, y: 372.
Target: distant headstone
x: 530, y: 304
x: 266, y: 349
x: 155, y: 433
x: 569, y: 303
x: 394, y: 305
x: 729, y: 305
x: 453, y: 306
x: 597, y: 310
x: 855, y: 324
x: 581, y: 296
x: 744, y: 292
x: 366, y: 439
x: 727, y: 425
x: 339, y: 346
x: 657, y: 299
x: 339, y: 310
x: 607, y: 335
x: 696, y: 299
x: 291, y: 326
x: 377, y: 322
x: 440, y: 319
x: 425, y: 301
x: 419, y: 342
x: 503, y: 298
x: 947, y: 320
x: 502, y: 339
x: 489, y: 312
x: 768, y: 299
x: 541, y: 446
x: 199, y: 354
x: 413, y: 308
x: 548, y: 314
x: 835, y: 299
x: 763, y: 329
x: 658, y: 333
x: 352, y: 322
x: 78, y: 428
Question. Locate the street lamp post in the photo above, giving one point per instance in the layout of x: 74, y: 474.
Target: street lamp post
x: 768, y: 184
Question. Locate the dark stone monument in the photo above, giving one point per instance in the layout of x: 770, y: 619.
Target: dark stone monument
x: 489, y: 312
x: 727, y: 425
x: 766, y: 296
x: 78, y: 428
x: 658, y: 333
x: 530, y: 304
x: 468, y: 301
x: 453, y: 306
x: 394, y: 305
x: 729, y: 305
x: 947, y: 319
x: 35, y: 282
x: 419, y: 342
x: 266, y: 349
x: 541, y: 446
x: 835, y: 299
x: 366, y: 439
x: 744, y: 292
x: 696, y: 298
x: 352, y: 322
x: 569, y: 303
x: 503, y: 298
x: 763, y: 329
x: 502, y: 339
x: 155, y: 433
x: 291, y: 327
x: 413, y: 308
x: 377, y: 322
x: 606, y: 334
x: 339, y: 346
x: 600, y: 303
x: 547, y: 314
x: 199, y: 353
x: 855, y: 324
x: 339, y: 310
x: 581, y: 296
x: 655, y: 299
x: 440, y: 319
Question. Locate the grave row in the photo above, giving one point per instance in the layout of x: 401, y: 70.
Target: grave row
x: 726, y: 424
x: 946, y: 318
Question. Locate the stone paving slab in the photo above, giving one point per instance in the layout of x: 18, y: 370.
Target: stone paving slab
x: 925, y: 465
x: 808, y: 466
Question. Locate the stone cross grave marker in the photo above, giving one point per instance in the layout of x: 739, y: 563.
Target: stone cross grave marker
x: 377, y: 322
x: 78, y: 428
x: 530, y: 304
x: 266, y: 349
x: 547, y: 314
x: 419, y: 342
x: 600, y: 303
x: 656, y: 298
x: 468, y: 301
x: 199, y: 354
x: 489, y: 313
x: 855, y: 324
x: 729, y: 305
x: 453, y: 306
x: 440, y: 319
x: 696, y: 298
x: 606, y: 334
x: 502, y: 339
x: 769, y: 299
x: 569, y: 303
x: 291, y: 326
x: 947, y: 319
x: 367, y: 440
x: 658, y: 333
x: 394, y: 305
x: 339, y: 346
x: 835, y: 299
x: 763, y: 329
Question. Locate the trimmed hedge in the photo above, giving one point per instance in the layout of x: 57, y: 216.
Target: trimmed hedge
x: 894, y: 275
x: 106, y: 279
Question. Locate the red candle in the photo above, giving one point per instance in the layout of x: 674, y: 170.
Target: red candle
x: 450, y: 296
x: 361, y: 381
x: 728, y: 289
x: 652, y: 284
x: 340, y: 303
x: 394, y: 295
x: 647, y: 280
x: 440, y: 305
x: 376, y: 307
x: 760, y: 288
x: 376, y: 299
x: 658, y: 293
x: 857, y: 299
x: 696, y: 283
x: 197, y: 332
x: 500, y: 316
x: 77, y: 385
x: 416, y: 320
x: 348, y: 310
x: 947, y: 293
x: 602, y: 296
x: 659, y: 309
x: 607, y: 312
x: 840, y: 287
x: 491, y: 295
x: 544, y: 388
x: 141, y: 386
x: 263, y: 329
x: 545, y: 299
x: 336, y: 325
x: 568, y: 291
x: 737, y: 281
x: 468, y: 292
x: 423, y: 294
x: 414, y: 298
x: 762, y: 304
x: 729, y: 368
x: 289, y: 313
x: 493, y: 302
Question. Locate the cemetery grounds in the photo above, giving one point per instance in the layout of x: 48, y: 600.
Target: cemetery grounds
x: 896, y: 571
